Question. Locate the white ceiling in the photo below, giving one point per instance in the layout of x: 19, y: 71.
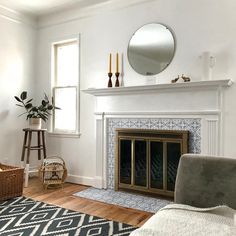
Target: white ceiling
x: 40, y: 7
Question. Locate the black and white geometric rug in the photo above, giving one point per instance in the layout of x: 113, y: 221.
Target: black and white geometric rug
x: 25, y: 217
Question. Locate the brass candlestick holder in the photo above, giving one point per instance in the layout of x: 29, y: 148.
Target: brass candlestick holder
x: 109, y: 81
x: 117, y: 84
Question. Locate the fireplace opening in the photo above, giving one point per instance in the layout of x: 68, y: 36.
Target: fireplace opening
x: 147, y: 160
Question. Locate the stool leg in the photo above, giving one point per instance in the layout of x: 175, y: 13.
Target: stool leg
x: 39, y: 145
x: 44, y: 145
x: 26, y: 175
x: 28, y: 147
x: 22, y: 164
x: 23, y: 148
x: 27, y: 160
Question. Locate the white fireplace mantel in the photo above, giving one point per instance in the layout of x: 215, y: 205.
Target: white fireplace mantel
x: 203, y: 100
x: 157, y: 87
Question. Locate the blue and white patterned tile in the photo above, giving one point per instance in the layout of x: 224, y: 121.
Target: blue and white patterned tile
x: 193, y: 125
x: 130, y: 200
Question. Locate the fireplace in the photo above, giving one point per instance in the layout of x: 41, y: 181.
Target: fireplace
x: 147, y: 160
x: 195, y: 106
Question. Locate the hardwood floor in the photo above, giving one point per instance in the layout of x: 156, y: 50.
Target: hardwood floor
x: 64, y: 198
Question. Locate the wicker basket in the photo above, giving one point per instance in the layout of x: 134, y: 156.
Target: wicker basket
x: 11, y: 181
x: 53, y: 172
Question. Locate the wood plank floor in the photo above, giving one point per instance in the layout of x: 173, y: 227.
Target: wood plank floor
x: 64, y: 198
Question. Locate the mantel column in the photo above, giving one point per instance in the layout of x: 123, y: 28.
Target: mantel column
x: 99, y: 178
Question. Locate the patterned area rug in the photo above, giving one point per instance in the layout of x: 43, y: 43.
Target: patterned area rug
x: 124, y: 199
x: 25, y: 217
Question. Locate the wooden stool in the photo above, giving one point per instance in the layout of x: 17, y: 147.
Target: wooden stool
x: 27, y: 145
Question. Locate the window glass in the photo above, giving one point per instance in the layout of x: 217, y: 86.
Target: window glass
x: 65, y: 118
x: 65, y: 87
x: 67, y: 64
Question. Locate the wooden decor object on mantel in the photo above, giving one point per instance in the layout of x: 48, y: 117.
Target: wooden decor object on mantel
x: 109, y: 81
x: 110, y: 73
x: 117, y: 84
x: 147, y: 160
x: 117, y: 74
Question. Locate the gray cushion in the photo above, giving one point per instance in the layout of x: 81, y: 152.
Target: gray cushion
x: 206, y: 181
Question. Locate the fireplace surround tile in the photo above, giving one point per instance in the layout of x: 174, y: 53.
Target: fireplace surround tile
x: 193, y: 125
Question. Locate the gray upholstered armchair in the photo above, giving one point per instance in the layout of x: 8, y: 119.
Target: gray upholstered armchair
x: 204, y: 185
x: 206, y: 181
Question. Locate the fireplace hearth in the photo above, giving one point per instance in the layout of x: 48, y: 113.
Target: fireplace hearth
x: 147, y: 160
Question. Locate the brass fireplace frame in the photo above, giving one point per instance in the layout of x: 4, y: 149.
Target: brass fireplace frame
x: 164, y: 136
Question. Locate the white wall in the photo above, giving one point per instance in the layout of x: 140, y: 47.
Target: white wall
x: 16, y: 74
x: 204, y: 25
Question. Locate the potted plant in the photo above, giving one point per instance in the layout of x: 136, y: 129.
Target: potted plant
x: 35, y: 114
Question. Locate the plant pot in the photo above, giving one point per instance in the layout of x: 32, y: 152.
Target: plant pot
x: 35, y: 123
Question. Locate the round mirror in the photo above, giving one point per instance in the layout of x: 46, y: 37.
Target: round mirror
x: 151, y: 49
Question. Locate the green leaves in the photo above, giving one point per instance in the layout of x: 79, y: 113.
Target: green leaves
x: 17, y: 99
x: 44, y: 103
x: 19, y: 105
x: 34, y: 109
x: 50, y: 107
x: 28, y: 106
x: 41, y: 111
x: 23, y: 95
x: 29, y: 101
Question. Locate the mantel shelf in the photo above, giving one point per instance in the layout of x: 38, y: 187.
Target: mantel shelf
x: 211, y: 84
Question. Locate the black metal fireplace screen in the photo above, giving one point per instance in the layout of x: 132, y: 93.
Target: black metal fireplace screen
x: 147, y: 160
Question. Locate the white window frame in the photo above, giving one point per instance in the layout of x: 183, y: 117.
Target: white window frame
x: 53, y: 131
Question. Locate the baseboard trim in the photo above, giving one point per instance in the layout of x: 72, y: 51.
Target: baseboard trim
x: 75, y: 179
x: 98, y: 182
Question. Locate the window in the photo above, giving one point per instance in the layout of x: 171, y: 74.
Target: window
x: 65, y: 87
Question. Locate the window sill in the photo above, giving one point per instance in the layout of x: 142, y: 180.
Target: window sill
x: 64, y: 135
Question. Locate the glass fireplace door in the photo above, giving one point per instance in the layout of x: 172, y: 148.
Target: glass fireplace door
x: 140, y: 163
x: 147, y: 160
x: 156, y: 165
x: 173, y: 157
x: 125, y: 161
